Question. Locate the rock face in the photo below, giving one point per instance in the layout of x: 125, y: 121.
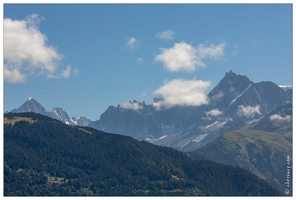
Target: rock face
x: 234, y: 102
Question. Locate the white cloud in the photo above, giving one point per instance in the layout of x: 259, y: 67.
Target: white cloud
x: 166, y: 35
x: 132, y: 44
x: 139, y: 60
x: 180, y: 92
x: 214, y: 113
x: 13, y: 75
x: 181, y: 56
x: 218, y: 96
x: 248, y: 111
x: 66, y: 73
x: 26, y: 51
x: 211, y: 51
x: 185, y: 57
x: 132, y: 105
x: 277, y: 117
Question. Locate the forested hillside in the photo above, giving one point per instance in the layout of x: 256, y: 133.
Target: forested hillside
x: 43, y: 156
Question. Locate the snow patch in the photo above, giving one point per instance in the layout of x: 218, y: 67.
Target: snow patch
x: 185, y: 144
x: 74, y: 121
x: 214, y: 126
x: 254, y: 120
x: 239, y: 95
x: 67, y: 122
x: 285, y: 87
x: 162, y: 137
x: 55, y: 112
x: 199, y: 138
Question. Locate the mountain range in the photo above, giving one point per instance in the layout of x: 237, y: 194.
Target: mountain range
x: 234, y: 103
x: 245, y: 124
x: 31, y: 105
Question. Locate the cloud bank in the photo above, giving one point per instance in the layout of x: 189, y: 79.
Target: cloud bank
x: 185, y: 57
x: 248, y: 111
x: 180, y: 92
x: 26, y: 51
x: 166, y: 35
x: 132, y: 105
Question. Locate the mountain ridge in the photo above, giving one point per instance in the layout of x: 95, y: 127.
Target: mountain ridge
x: 235, y: 98
x: 31, y: 105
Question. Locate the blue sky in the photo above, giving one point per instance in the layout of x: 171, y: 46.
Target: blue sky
x: 92, y: 56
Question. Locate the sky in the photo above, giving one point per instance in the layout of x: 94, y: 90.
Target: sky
x: 87, y: 57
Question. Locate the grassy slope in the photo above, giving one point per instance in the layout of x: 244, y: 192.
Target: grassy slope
x: 263, y: 153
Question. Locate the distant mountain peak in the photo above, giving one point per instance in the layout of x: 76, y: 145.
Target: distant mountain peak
x: 230, y: 72
x: 32, y: 100
x: 31, y: 105
x: 231, y: 76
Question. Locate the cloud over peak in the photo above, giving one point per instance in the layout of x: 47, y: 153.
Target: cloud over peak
x: 277, y: 117
x: 26, y: 51
x: 180, y: 92
x: 248, y: 111
x: 210, y: 51
x: 132, y: 105
x: 166, y: 35
x: 213, y: 113
x: 185, y: 57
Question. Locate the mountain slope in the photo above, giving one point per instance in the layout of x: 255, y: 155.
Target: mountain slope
x: 279, y: 120
x: 43, y: 156
x: 263, y: 153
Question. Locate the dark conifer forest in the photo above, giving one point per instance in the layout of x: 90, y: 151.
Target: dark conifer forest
x: 45, y: 157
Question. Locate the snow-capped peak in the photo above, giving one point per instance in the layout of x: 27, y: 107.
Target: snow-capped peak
x: 285, y: 87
